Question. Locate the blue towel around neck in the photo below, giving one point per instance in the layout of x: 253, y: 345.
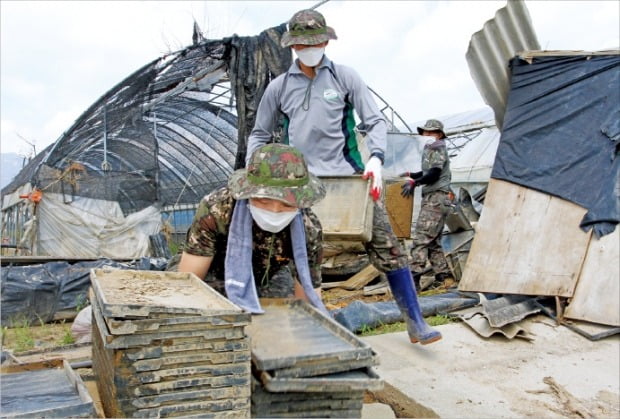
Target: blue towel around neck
x: 239, y: 276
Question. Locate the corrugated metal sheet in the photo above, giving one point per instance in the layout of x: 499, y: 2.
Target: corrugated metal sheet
x: 491, y: 48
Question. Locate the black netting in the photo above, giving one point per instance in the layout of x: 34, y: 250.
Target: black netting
x: 167, y: 134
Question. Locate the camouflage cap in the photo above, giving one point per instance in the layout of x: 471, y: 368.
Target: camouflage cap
x: 307, y: 27
x: 277, y: 171
x: 432, y: 125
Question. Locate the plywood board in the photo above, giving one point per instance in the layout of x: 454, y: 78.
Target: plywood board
x: 399, y: 210
x: 526, y: 242
x: 597, y: 294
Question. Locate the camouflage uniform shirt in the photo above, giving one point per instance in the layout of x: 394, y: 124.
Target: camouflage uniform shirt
x: 435, y: 154
x: 272, y: 253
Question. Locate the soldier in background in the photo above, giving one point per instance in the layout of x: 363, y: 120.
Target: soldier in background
x: 257, y: 237
x: 437, y: 197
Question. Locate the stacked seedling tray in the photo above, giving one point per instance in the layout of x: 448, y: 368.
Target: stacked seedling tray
x: 44, y: 389
x: 307, y: 365
x: 165, y: 344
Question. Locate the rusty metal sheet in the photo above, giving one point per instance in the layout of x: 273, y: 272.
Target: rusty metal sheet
x: 207, y: 407
x: 189, y: 359
x: 138, y: 340
x: 199, y: 382
x: 304, y: 337
x: 304, y: 404
x: 130, y: 326
x: 172, y: 374
x: 323, y: 367
x: 223, y: 414
x: 362, y: 379
x: 168, y: 398
x: 140, y: 294
x: 184, y: 345
x: 175, y: 375
x: 324, y: 413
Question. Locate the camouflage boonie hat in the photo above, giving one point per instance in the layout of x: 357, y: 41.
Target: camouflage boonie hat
x: 432, y: 125
x: 307, y: 27
x: 277, y: 171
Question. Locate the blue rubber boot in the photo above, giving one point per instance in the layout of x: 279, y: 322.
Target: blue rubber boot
x: 403, y: 290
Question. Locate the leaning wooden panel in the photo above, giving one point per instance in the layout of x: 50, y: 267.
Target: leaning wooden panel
x: 597, y: 294
x: 526, y: 242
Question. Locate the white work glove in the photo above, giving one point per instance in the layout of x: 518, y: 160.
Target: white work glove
x: 373, y: 170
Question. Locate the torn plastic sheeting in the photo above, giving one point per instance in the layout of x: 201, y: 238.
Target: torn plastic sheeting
x: 29, y: 293
x: 359, y: 315
x: 559, y: 133
x: 92, y: 228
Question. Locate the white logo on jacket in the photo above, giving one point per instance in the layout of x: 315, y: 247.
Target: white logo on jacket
x: 330, y: 94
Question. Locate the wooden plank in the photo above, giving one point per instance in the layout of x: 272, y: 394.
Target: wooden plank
x: 381, y: 288
x: 356, y: 282
x: 330, y: 285
x: 526, y: 242
x: 596, y: 295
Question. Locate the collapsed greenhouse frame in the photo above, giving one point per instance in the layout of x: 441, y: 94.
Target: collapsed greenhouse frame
x: 138, y: 161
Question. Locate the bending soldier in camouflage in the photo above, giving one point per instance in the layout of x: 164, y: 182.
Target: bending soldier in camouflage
x: 277, y: 188
x: 436, y: 199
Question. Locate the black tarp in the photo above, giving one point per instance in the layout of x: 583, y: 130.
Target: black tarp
x: 35, y: 293
x: 360, y: 315
x: 562, y: 130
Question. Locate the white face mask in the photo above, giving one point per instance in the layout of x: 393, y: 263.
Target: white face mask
x: 310, y: 56
x: 427, y: 140
x: 270, y: 221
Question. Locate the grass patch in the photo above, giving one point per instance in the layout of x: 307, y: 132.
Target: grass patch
x: 383, y: 328
x: 67, y: 337
x: 23, y: 339
x: 438, y: 320
x: 402, y: 326
x: 25, y: 336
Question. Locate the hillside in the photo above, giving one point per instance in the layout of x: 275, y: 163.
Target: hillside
x: 10, y: 165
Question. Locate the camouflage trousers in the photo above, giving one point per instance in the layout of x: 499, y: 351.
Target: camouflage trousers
x: 426, y: 247
x: 384, y: 249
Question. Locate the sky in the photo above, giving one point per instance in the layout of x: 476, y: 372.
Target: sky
x: 59, y: 57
